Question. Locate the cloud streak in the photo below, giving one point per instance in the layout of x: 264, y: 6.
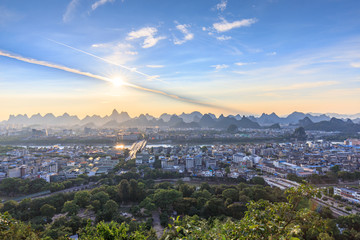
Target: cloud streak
x: 95, y: 76
x: 68, y: 15
x: 99, y: 3
x: 103, y: 59
x: 155, y: 66
x: 225, y: 26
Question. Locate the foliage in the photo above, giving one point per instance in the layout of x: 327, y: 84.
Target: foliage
x: 112, y: 231
x: 262, y: 220
x: 12, y: 229
x: 70, y: 207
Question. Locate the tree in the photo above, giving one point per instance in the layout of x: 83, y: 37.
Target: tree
x: 111, y: 209
x: 101, y: 196
x: 258, y: 181
x: 82, y: 198
x: 13, y: 229
x: 124, y: 190
x: 37, y: 185
x: 186, y: 190
x: 134, y: 191
x: 262, y: 220
x: 227, y: 171
x: 70, y: 207
x: 214, y: 207
x: 164, y: 198
x: 47, y: 210
x: 231, y: 193
x: 54, y: 187
x: 157, y: 163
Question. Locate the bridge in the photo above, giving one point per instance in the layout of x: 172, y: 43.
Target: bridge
x: 137, y: 146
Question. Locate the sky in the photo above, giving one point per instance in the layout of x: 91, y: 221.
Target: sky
x: 88, y: 57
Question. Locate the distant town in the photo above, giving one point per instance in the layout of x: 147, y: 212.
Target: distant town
x: 42, y: 158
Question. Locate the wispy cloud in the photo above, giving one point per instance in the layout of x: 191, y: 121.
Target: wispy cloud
x: 69, y: 13
x: 108, y: 59
x: 222, y: 5
x: 100, y: 3
x: 218, y: 67
x: 223, y: 38
x: 134, y: 86
x: 148, y: 33
x: 187, y: 34
x: 225, y: 26
x: 355, y: 64
x: 155, y: 66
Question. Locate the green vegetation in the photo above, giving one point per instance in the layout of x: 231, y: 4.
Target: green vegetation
x: 123, y: 208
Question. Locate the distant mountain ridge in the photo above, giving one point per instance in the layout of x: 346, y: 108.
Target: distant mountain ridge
x: 188, y: 120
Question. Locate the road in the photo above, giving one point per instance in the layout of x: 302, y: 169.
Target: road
x: 73, y: 189
x: 156, y: 224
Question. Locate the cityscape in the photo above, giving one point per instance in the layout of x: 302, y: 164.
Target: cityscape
x: 162, y: 120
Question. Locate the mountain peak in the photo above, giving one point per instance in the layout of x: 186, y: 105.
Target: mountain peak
x: 114, y: 112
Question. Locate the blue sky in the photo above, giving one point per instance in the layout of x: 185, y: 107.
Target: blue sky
x: 247, y: 56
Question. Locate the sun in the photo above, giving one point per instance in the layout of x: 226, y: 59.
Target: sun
x: 117, y: 81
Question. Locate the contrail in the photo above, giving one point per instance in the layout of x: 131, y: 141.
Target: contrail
x: 138, y: 87
x: 103, y: 59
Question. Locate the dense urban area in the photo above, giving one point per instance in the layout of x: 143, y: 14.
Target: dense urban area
x: 170, y: 178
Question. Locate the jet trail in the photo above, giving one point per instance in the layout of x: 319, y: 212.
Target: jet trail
x: 103, y: 59
x: 91, y: 75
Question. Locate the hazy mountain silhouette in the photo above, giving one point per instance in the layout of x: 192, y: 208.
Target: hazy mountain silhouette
x: 195, y: 119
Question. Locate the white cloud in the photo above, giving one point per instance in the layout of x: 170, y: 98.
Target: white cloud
x: 220, y: 66
x: 355, y: 64
x: 222, y: 5
x: 187, y: 34
x: 225, y: 26
x: 68, y: 15
x: 223, y: 38
x: 99, y: 3
x: 155, y: 66
x: 148, y: 33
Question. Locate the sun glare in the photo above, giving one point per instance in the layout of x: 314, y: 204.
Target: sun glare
x: 120, y: 146
x: 117, y: 81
